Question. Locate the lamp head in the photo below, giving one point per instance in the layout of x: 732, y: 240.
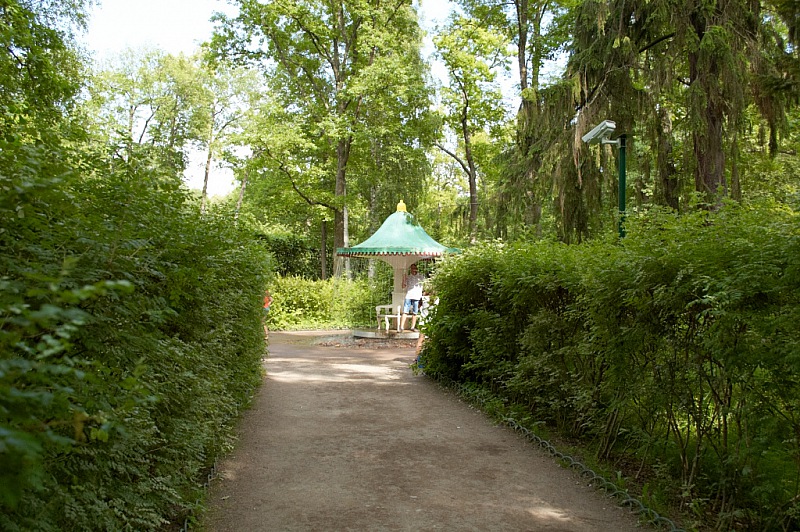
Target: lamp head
x: 600, y: 132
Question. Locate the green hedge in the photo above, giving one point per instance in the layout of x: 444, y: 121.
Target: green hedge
x: 292, y: 253
x: 131, y: 339
x: 304, y: 304
x: 676, y: 351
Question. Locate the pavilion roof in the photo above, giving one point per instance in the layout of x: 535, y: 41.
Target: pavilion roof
x: 400, y: 234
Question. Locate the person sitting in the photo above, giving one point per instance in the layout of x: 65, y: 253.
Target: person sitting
x: 413, y: 285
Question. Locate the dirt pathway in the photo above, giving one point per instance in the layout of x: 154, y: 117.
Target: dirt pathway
x: 345, y: 438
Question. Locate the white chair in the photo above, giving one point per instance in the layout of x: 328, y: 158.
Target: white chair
x: 387, y: 312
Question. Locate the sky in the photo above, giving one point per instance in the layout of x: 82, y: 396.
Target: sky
x: 177, y: 26
x: 172, y: 25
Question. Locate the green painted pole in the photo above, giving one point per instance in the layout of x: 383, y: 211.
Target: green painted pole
x: 622, y: 139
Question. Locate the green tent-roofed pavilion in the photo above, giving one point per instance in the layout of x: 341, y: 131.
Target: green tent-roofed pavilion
x: 401, y: 242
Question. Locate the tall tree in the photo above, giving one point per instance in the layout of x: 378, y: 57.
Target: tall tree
x: 149, y: 101
x: 229, y: 93
x: 538, y: 34
x: 701, y: 62
x: 472, y: 100
x: 530, y: 26
x: 685, y: 81
x: 40, y: 70
x: 283, y: 167
x: 333, y: 61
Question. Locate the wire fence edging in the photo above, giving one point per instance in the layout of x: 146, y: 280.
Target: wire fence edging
x: 212, y: 474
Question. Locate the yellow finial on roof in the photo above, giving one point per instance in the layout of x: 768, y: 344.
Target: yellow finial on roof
x: 401, y: 206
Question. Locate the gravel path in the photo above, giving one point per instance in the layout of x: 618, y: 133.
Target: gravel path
x: 344, y: 437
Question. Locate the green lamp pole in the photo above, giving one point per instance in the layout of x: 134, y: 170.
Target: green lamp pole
x: 621, y: 139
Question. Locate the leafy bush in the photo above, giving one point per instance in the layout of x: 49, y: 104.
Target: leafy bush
x: 293, y: 255
x: 130, y: 340
x: 676, y: 348
x: 304, y: 304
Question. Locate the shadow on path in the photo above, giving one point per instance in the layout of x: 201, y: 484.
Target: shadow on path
x: 347, y: 438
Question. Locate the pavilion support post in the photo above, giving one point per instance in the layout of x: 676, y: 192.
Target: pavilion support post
x: 398, y: 293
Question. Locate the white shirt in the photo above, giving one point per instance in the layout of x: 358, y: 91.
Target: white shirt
x: 414, y: 286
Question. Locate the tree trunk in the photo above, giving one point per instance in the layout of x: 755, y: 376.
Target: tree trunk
x: 667, y: 191
x: 323, y: 250
x: 341, y: 230
x: 205, y: 180
x: 709, y: 176
x: 736, y: 186
x: 346, y: 228
x: 710, y: 155
x: 241, y: 193
x: 533, y: 213
x: 522, y: 43
x: 526, y: 79
x: 529, y: 108
x: 472, y: 175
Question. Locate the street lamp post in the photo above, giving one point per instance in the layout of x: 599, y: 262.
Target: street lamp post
x: 599, y: 134
x: 621, y: 145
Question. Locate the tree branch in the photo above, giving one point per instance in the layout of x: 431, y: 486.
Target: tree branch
x: 284, y: 58
x: 660, y: 39
x: 288, y: 174
x: 454, y: 156
x: 147, y: 124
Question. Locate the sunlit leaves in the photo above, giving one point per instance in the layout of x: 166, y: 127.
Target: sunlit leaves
x: 130, y: 331
x: 39, y: 71
x: 146, y: 100
x: 472, y: 100
x: 684, y: 334
x: 351, y: 80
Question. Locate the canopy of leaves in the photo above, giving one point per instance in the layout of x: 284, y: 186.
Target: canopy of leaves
x: 348, y: 122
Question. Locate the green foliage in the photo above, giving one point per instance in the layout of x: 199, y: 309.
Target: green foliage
x: 130, y: 340
x: 301, y: 304
x: 675, y: 348
x: 130, y: 326
x: 152, y: 104
x: 39, y: 71
x: 349, y: 101
x: 472, y: 100
x: 292, y: 253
